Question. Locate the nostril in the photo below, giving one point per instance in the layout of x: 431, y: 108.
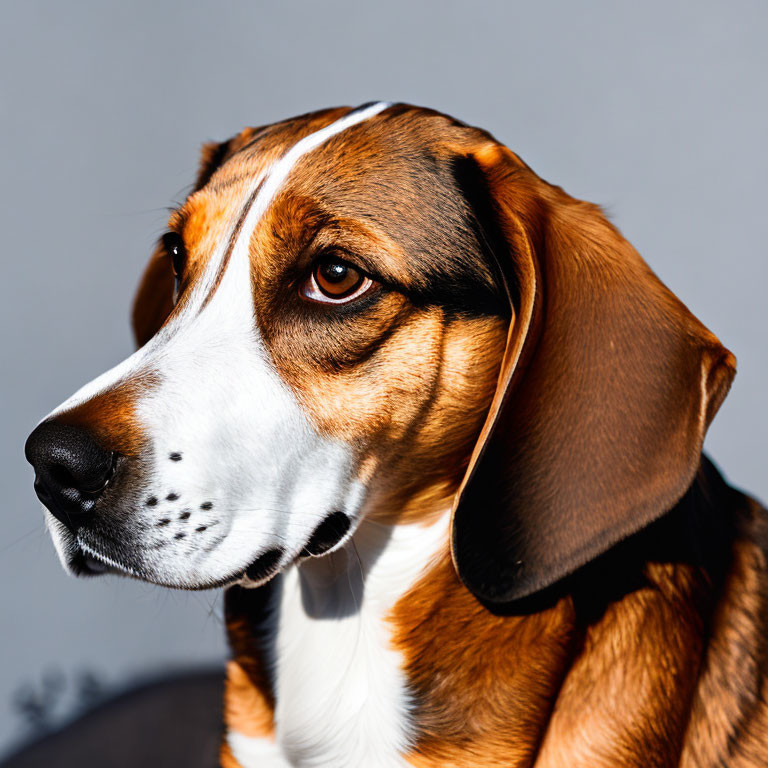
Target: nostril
x: 93, y: 483
x: 61, y: 476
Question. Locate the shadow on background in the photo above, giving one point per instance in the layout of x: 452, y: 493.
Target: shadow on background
x: 163, y: 723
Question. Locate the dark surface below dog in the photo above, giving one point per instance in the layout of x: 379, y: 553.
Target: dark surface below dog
x: 166, y: 724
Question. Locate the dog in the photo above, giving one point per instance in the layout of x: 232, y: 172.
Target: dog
x: 437, y: 428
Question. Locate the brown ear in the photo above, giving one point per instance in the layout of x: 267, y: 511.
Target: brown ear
x: 153, y: 301
x: 606, y: 389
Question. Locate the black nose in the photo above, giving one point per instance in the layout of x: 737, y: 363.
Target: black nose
x: 71, y: 470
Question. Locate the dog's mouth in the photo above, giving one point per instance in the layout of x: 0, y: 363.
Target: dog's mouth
x: 83, y: 564
x: 89, y: 556
x: 263, y: 568
x: 86, y: 565
x: 88, y: 560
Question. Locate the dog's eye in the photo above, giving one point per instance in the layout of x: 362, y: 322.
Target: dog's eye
x: 334, y: 281
x: 174, y: 247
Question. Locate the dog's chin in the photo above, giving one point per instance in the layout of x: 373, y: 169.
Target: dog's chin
x: 85, y: 555
x: 85, y: 561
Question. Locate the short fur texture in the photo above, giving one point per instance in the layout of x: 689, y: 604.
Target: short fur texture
x: 537, y: 566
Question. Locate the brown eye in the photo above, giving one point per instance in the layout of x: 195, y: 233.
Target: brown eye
x: 334, y: 281
x: 174, y: 247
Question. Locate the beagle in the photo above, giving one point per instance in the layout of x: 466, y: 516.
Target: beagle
x: 437, y: 427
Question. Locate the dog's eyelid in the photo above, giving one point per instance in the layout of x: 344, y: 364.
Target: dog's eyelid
x: 342, y: 255
x: 331, y: 239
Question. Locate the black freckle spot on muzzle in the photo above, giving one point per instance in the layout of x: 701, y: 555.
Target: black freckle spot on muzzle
x: 206, y: 505
x: 164, y: 521
x: 327, y: 535
x: 179, y: 535
x: 152, y: 501
x: 185, y: 514
x: 175, y: 456
x: 201, y: 528
x: 172, y: 496
x: 263, y: 565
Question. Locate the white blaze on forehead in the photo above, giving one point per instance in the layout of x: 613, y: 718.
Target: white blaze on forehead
x: 267, y: 184
x: 280, y: 170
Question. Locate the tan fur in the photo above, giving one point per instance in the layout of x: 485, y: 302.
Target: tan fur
x: 643, y: 657
x: 483, y: 682
x: 110, y: 416
x: 246, y: 708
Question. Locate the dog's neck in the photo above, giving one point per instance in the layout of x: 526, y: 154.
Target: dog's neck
x: 376, y: 567
x: 377, y: 655
x: 337, y: 688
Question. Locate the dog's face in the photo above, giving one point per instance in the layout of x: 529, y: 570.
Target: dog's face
x: 326, y: 341
x: 381, y: 313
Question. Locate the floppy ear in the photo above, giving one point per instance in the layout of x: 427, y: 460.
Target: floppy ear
x: 606, y: 389
x: 153, y: 301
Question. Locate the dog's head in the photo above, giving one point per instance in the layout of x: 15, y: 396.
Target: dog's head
x: 380, y: 313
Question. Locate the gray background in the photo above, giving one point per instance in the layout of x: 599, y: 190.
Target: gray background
x: 656, y: 110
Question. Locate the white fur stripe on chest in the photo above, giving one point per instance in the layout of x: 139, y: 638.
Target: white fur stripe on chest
x: 342, y: 695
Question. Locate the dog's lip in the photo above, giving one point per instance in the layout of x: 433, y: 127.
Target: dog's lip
x: 91, y: 562
x: 95, y: 566
x: 83, y: 564
x: 89, y: 559
x: 86, y: 560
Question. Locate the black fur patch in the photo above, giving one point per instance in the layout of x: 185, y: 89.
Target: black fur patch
x: 263, y: 565
x: 329, y: 533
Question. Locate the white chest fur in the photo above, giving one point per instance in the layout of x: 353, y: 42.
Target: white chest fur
x: 342, y: 697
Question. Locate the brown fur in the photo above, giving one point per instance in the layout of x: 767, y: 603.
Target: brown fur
x: 654, y: 657
x: 110, y: 416
x: 604, y: 600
